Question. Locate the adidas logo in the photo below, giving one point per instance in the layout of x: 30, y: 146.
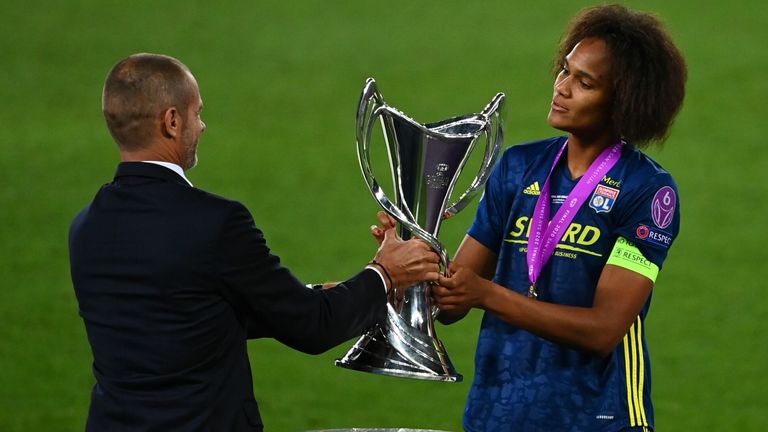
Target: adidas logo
x: 532, y: 189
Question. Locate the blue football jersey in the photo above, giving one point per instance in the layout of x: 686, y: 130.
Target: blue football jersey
x: 526, y: 383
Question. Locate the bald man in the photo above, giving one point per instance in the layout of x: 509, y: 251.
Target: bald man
x: 171, y: 281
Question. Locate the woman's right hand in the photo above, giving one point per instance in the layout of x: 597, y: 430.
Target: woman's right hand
x: 386, y: 221
x: 472, y: 268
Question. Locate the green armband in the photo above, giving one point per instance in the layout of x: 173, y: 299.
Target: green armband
x: 625, y: 254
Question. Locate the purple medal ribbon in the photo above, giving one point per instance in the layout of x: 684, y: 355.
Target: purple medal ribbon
x: 543, y: 238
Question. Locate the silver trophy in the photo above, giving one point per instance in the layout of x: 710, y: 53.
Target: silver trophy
x: 426, y: 161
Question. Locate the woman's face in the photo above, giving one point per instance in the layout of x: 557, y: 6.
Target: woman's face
x: 582, y: 98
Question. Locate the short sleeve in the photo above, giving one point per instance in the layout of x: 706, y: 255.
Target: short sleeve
x: 652, y: 218
x: 488, y: 227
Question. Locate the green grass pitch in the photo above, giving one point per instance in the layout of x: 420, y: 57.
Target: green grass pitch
x: 280, y: 81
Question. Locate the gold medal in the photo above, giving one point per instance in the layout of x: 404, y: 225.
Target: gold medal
x: 532, y: 292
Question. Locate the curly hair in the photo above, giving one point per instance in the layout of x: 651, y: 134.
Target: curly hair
x: 648, y: 70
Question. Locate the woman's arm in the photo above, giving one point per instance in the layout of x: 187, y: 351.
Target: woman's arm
x: 482, y: 261
x: 619, y: 297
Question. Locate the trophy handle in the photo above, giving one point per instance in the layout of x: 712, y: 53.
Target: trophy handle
x: 371, y: 107
x: 494, y: 137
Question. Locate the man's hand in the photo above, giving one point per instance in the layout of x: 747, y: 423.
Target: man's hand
x: 406, y: 262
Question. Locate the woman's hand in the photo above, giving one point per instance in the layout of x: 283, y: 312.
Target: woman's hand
x: 460, y: 292
x: 475, y: 264
x: 386, y: 221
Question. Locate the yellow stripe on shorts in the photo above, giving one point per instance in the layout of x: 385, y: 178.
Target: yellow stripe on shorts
x: 634, y: 370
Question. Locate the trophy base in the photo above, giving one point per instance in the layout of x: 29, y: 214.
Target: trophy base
x: 396, y: 349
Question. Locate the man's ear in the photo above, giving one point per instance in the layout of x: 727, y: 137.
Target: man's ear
x: 171, y: 123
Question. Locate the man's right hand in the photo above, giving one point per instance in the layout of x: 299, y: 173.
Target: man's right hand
x: 407, y: 262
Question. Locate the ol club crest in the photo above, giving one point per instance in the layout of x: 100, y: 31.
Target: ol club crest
x: 603, y: 198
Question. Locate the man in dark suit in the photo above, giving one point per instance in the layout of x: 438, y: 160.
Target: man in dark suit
x: 171, y: 280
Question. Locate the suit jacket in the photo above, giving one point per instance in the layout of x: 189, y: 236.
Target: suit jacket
x: 171, y: 281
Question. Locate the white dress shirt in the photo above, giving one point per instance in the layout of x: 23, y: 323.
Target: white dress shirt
x: 173, y: 167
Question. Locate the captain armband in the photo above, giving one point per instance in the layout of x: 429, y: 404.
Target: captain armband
x: 625, y: 254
